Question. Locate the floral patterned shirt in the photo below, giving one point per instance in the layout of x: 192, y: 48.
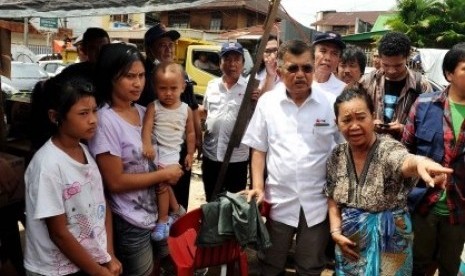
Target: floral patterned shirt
x: 381, y: 185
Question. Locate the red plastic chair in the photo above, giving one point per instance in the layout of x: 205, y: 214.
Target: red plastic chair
x: 187, y: 257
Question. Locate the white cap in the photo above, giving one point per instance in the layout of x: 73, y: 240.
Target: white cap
x: 78, y: 40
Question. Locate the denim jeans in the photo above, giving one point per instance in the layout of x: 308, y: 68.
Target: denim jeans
x: 134, y: 248
x: 30, y: 273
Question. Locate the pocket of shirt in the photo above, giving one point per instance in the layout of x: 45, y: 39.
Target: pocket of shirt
x: 214, y: 98
x: 322, y: 130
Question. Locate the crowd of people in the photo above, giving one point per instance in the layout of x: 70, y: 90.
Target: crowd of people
x: 335, y: 153
x: 369, y: 176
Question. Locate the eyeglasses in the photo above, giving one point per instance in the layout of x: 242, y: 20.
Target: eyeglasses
x: 294, y: 68
x: 270, y: 51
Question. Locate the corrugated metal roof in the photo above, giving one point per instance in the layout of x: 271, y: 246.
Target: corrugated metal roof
x: 255, y: 31
x: 17, y: 27
x: 260, y: 6
x: 348, y: 18
x: 363, y: 36
x: 76, y: 8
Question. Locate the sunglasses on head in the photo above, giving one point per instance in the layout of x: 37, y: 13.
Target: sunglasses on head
x: 294, y: 68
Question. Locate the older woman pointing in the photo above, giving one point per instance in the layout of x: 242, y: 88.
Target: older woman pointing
x: 368, y: 179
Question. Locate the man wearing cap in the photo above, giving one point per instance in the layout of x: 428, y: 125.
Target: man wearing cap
x: 159, y: 47
x: 221, y: 103
x: 92, y: 41
x: 328, y: 49
x: 78, y: 44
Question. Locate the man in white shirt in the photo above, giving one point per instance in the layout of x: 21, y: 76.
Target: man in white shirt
x: 204, y: 63
x: 293, y: 129
x: 328, y: 49
x: 221, y: 103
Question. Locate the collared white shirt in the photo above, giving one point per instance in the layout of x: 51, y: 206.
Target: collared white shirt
x: 222, y: 106
x: 333, y: 85
x: 298, y: 141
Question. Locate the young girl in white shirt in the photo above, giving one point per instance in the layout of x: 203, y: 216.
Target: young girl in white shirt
x: 68, y: 224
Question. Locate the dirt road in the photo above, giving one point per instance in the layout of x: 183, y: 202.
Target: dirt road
x: 197, y: 198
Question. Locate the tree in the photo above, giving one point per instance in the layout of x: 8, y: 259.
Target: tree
x: 430, y: 23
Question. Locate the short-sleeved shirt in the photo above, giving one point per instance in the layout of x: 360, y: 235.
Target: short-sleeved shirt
x: 122, y: 139
x: 452, y: 158
x: 374, y: 83
x: 56, y: 184
x: 333, y: 85
x: 297, y: 141
x: 222, y: 106
x: 380, y: 187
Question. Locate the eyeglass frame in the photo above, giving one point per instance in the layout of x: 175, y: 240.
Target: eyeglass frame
x: 270, y: 51
x: 296, y: 68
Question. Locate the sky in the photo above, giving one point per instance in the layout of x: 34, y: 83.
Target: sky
x: 304, y: 11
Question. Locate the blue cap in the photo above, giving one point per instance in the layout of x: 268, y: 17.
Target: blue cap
x: 330, y: 37
x: 231, y: 47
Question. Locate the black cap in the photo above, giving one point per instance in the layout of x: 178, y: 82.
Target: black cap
x: 330, y: 37
x: 159, y: 31
x: 94, y: 33
x: 231, y: 47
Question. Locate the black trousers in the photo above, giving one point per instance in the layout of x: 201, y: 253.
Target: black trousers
x: 235, y: 179
x: 181, y: 189
x: 10, y: 242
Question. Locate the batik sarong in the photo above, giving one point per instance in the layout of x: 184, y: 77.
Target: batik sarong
x: 383, y: 241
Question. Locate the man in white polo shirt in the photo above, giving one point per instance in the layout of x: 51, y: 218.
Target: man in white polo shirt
x: 328, y: 49
x: 293, y: 129
x: 221, y: 103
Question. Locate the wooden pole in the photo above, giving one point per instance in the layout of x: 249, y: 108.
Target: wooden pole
x: 5, y: 70
x: 26, y: 32
x: 245, y: 110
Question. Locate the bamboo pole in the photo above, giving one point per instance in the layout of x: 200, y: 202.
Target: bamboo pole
x: 245, y: 110
x: 5, y: 66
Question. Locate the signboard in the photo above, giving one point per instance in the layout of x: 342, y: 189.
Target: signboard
x: 51, y: 23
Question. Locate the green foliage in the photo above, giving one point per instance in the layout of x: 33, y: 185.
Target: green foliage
x: 430, y: 23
